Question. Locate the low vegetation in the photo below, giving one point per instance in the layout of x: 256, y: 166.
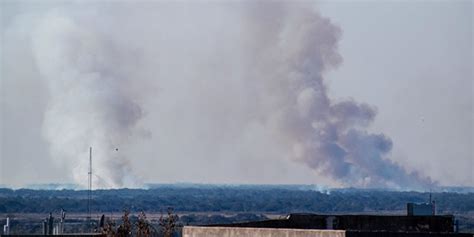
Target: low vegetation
x: 272, y: 199
x: 211, y: 205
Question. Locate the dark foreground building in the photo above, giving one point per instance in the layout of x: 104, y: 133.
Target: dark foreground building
x: 312, y: 225
x: 59, y: 235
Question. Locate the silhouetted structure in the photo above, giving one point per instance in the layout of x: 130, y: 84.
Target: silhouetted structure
x: 443, y: 224
x: 309, y: 225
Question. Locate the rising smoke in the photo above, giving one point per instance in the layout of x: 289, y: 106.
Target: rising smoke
x: 89, y: 102
x: 234, y: 79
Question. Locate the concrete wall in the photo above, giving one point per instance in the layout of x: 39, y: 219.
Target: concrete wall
x: 195, y: 231
x: 201, y: 231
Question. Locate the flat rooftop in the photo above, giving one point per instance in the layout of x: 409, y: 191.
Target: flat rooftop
x: 435, y: 224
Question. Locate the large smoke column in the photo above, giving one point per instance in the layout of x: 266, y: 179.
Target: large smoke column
x: 328, y: 136
x: 259, y: 87
x: 89, y: 102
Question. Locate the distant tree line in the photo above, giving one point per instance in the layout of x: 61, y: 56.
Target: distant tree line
x: 227, y: 199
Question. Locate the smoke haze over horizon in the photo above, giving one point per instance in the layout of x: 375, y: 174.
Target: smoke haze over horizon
x: 204, y: 91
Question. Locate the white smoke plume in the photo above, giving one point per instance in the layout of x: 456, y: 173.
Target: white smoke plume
x: 89, y: 100
x: 235, y: 78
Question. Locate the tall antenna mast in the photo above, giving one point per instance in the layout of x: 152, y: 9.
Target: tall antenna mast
x: 430, y: 196
x: 90, y: 188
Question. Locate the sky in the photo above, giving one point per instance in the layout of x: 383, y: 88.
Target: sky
x: 151, y: 99
x: 418, y: 59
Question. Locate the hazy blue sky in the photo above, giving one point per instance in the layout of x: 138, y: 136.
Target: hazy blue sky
x: 412, y: 60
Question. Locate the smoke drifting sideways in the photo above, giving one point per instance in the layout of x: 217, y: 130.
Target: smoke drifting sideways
x: 235, y: 68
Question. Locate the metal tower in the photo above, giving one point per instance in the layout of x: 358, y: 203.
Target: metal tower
x: 90, y: 190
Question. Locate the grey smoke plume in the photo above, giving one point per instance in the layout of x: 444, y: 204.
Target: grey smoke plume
x: 228, y: 79
x: 89, y: 100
